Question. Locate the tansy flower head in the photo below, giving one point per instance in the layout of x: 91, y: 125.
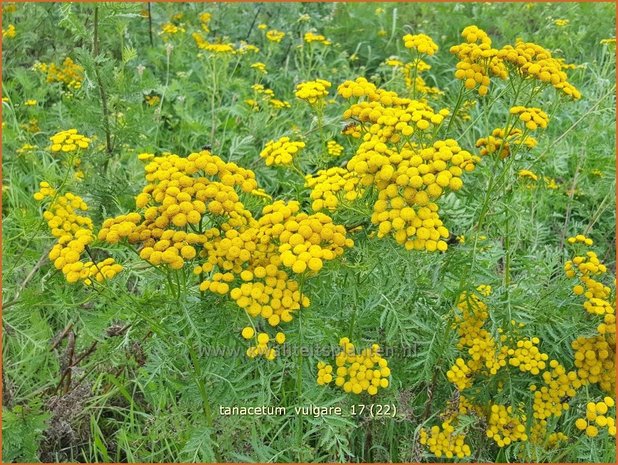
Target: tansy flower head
x: 169, y: 29
x: 275, y: 36
x: 497, y: 142
x: 70, y: 74
x: 533, y: 118
x: 365, y: 371
x: 311, y: 37
x: 10, y: 32
x: 69, y: 141
x: 312, y: 91
x: 422, y: 43
x: 530, y: 59
x: 260, y: 67
x: 205, y: 18
x: 281, y: 152
x: 333, y: 148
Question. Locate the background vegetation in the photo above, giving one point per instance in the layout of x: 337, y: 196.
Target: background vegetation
x: 147, y: 389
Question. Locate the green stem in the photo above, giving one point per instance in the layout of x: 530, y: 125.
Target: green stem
x: 299, y: 369
x: 456, y: 109
x: 150, y: 25
x: 167, y: 80
x: 212, y: 101
x: 102, y: 93
x: 198, y: 375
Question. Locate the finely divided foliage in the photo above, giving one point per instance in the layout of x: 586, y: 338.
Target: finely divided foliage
x: 401, y: 238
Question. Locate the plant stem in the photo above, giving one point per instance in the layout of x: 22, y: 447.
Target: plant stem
x: 150, y: 25
x: 198, y: 375
x: 212, y: 101
x: 95, y: 55
x: 456, y: 109
x: 299, y: 369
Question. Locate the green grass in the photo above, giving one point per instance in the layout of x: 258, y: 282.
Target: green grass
x: 151, y: 387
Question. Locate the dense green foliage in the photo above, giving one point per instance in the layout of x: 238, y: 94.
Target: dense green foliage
x: 130, y: 371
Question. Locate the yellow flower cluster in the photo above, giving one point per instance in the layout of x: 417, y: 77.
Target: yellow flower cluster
x: 485, y: 355
x: 69, y: 73
x: 481, y: 345
x: 422, y: 43
x: 531, y: 117
x: 312, y: 92
x: 408, y: 178
x: 444, y: 441
x: 596, y: 361
x: 267, y: 96
x: 10, y: 32
x: 243, y: 257
x: 152, y: 100
x: 261, y: 347
x: 530, y: 179
x: 527, y: 174
x: 527, y: 357
x: 558, y: 385
x: 27, y: 148
x: 309, y: 239
x: 281, y: 152
x: 244, y: 48
x: 218, y: 48
x: 259, y: 67
x: 69, y: 141
x: 561, y: 22
x: 390, y: 117
x: 170, y: 29
x: 145, y: 156
x: 477, y: 60
x: 580, y: 238
x: 419, y: 65
x: 358, y: 88
x: 275, y: 300
x: 281, y: 237
x: 408, y: 182
x: 205, y: 18
x: 539, y: 435
x: 74, y: 232
x: 596, y: 293
x: 326, y: 186
x: 497, y: 142
x: 311, y: 37
x: 366, y: 371
x: 333, y: 148
x: 393, y: 61
x: 179, y: 193
x: 504, y: 426
x: 275, y: 36
x: 45, y: 190
x: 533, y: 61
x: 31, y: 126
x: 460, y: 374
x: 550, y: 183
x: 260, y: 89
x: 598, y: 416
